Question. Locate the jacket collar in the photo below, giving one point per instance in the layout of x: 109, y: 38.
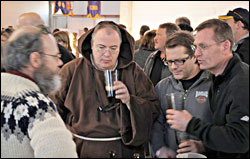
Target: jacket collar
x: 228, y: 70
x: 204, y: 76
x: 157, y: 52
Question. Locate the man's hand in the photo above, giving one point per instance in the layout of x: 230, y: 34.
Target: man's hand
x: 121, y: 92
x: 191, y: 146
x: 178, y: 119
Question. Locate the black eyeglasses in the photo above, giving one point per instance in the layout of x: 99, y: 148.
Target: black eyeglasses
x: 177, y: 62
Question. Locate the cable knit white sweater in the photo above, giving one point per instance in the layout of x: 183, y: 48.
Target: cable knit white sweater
x: 30, y: 124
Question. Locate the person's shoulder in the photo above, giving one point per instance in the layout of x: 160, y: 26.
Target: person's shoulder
x: 30, y: 106
x: 152, y: 55
x: 37, y: 100
x: 162, y: 84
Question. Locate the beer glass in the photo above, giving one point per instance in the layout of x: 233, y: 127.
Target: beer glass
x: 176, y: 101
x: 110, y: 77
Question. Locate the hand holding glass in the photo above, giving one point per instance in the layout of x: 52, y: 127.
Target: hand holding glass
x: 176, y: 101
x: 110, y: 77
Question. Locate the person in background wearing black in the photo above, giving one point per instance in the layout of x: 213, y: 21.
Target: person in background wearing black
x: 238, y: 19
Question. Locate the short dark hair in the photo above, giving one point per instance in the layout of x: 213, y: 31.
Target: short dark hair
x: 85, y: 29
x: 170, y: 28
x: 222, y: 31
x: 56, y: 30
x: 181, y: 38
x: 186, y: 27
x: 143, y: 29
x: 183, y: 20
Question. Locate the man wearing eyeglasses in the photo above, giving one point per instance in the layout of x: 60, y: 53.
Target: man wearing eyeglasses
x: 31, y: 126
x: 238, y: 19
x: 186, y: 78
x: 228, y: 134
x: 103, y: 128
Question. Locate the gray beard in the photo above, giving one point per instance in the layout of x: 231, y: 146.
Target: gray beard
x: 48, y: 82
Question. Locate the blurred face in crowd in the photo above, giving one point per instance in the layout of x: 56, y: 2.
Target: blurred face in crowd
x: 181, y: 65
x: 208, y: 51
x: 106, y: 48
x: 160, y: 39
x: 47, y: 74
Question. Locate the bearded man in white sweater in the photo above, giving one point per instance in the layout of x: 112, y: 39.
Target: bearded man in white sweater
x: 30, y: 123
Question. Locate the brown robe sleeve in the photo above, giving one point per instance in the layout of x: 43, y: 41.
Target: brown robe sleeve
x: 136, y: 123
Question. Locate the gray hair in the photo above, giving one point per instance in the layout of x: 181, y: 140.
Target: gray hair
x: 17, y: 49
x: 105, y: 24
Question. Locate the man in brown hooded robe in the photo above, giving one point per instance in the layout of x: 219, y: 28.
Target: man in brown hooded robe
x: 107, y: 128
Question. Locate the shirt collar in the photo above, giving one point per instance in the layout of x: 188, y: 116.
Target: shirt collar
x: 22, y: 75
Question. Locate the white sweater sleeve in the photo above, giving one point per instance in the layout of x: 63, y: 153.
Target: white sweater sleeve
x: 51, y: 139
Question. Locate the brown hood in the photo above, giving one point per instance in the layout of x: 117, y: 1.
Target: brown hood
x: 126, y: 49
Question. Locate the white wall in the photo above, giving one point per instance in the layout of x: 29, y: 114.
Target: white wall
x: 132, y: 13
x: 155, y: 13
x: 10, y: 10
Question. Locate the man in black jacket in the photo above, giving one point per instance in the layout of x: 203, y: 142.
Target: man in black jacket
x: 238, y: 19
x: 228, y: 134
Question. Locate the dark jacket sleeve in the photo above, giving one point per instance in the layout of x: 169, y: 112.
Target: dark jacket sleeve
x: 148, y: 65
x: 144, y: 110
x: 243, y: 51
x: 233, y: 136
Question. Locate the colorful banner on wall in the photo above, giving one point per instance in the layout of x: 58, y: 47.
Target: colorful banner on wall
x: 65, y: 7
x: 94, y: 9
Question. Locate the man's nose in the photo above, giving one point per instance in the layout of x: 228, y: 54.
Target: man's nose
x: 174, y: 66
x: 197, y: 53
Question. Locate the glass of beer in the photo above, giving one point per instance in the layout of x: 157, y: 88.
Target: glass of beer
x: 110, y: 77
x: 176, y: 101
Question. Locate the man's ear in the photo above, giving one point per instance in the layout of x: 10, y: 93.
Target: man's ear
x: 35, y: 59
x: 239, y: 24
x: 226, y: 45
